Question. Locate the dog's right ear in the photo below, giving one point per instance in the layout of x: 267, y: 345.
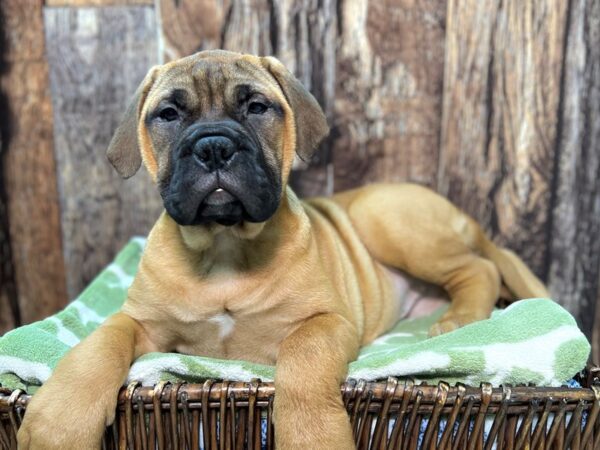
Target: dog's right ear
x: 124, y: 150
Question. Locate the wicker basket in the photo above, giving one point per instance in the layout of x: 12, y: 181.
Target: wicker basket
x: 384, y: 415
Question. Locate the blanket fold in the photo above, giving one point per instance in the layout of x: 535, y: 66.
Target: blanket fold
x: 532, y: 341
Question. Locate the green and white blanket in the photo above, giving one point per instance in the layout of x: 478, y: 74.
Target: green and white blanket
x: 531, y: 341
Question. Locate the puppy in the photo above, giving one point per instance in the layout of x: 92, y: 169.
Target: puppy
x: 238, y: 267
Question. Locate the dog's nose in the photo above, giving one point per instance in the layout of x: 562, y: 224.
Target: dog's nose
x: 214, y: 152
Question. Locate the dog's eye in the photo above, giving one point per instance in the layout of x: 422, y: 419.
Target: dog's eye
x: 257, y: 108
x: 168, y: 114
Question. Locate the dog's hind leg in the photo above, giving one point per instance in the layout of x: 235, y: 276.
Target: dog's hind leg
x: 416, y: 230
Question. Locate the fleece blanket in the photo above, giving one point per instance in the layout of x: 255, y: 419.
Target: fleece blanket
x: 532, y: 341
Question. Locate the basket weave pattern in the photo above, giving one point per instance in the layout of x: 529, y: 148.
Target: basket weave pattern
x: 384, y: 415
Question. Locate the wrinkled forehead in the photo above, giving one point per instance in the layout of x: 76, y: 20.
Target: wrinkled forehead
x: 212, y: 82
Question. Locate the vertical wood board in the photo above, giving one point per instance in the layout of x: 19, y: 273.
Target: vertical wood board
x: 389, y: 78
x: 500, y: 116
x: 573, y: 259
x: 382, y: 96
x: 97, y: 58
x: 29, y: 174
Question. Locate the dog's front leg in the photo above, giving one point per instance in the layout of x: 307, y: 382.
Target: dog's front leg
x: 72, y: 409
x: 311, y: 364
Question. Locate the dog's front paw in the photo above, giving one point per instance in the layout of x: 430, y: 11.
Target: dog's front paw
x: 452, y: 321
x: 54, y: 423
x: 301, y: 428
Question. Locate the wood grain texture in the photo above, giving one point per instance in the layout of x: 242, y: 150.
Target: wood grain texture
x: 595, y: 337
x: 29, y: 173
x: 7, y: 321
x: 97, y: 58
x: 595, y: 334
x: 189, y: 26
x: 97, y: 2
x: 388, y: 91
x: 574, y: 254
x: 520, y: 147
x: 502, y: 81
x: 301, y: 33
x: 7, y: 315
x: 9, y: 306
x: 382, y: 96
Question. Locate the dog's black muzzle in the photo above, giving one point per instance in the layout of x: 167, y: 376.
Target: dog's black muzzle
x: 219, y: 174
x: 214, y: 145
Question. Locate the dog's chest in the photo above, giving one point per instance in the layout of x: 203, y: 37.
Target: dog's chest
x: 226, y: 336
x: 225, y: 324
x: 235, y: 317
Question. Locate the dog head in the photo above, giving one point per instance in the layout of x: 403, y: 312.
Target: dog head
x: 218, y: 132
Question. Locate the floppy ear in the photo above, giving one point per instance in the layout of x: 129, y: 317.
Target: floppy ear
x: 311, y: 124
x: 124, y: 150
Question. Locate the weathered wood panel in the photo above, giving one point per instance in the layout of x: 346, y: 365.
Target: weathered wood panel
x: 595, y: 338
x: 189, y: 26
x: 379, y: 94
x: 574, y: 254
x: 97, y: 2
x: 9, y: 304
x: 284, y: 29
x: 388, y: 91
x: 520, y: 143
x: 28, y: 164
x: 501, y: 94
x: 7, y: 314
x: 97, y: 57
x: 9, y: 307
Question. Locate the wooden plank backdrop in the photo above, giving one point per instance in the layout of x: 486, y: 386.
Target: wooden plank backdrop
x: 573, y: 258
x: 97, y: 56
x: 28, y: 167
x: 9, y: 308
x: 495, y: 104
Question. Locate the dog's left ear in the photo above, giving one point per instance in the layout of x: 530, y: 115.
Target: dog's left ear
x: 124, y: 150
x: 311, y: 124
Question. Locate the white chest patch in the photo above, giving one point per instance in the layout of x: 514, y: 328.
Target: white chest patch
x: 225, y: 323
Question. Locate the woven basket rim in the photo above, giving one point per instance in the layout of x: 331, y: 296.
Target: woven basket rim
x: 392, y: 389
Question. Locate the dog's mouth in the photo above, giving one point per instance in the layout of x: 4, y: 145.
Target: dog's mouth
x: 219, y: 197
x: 220, y: 206
x: 226, y: 202
x: 219, y: 174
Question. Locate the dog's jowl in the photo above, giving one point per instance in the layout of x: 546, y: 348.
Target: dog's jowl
x: 218, y: 132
